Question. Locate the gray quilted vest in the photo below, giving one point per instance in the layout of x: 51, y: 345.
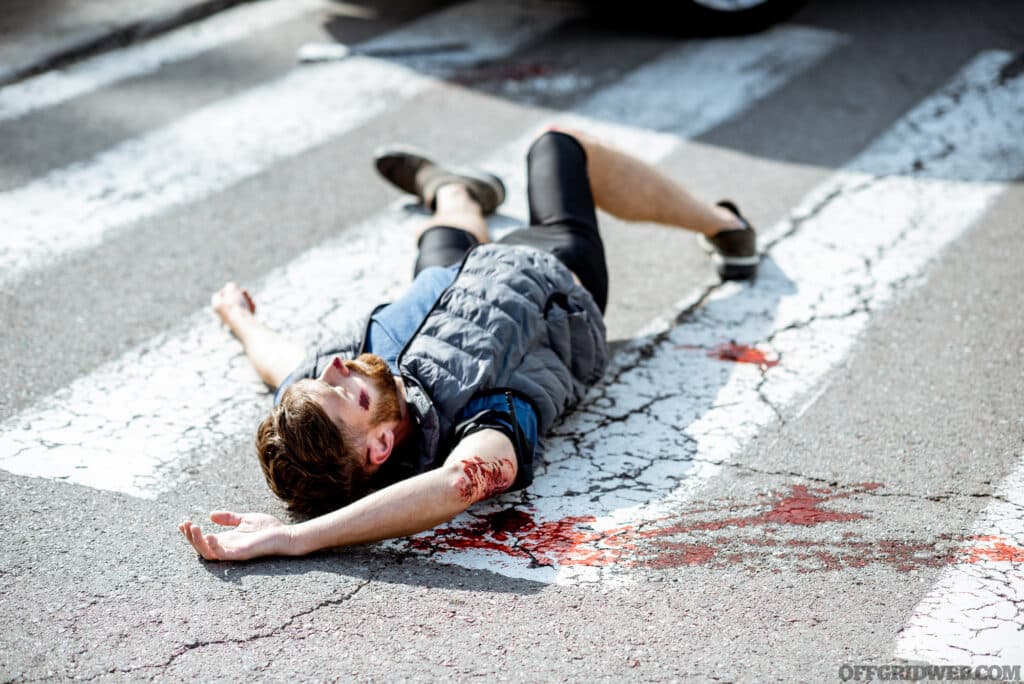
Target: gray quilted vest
x: 513, y: 319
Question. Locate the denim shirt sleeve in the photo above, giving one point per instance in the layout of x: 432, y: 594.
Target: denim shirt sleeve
x: 509, y: 414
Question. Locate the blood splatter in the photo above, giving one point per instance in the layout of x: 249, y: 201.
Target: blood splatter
x: 672, y: 555
x: 248, y: 301
x: 901, y: 555
x: 801, y: 507
x: 517, y: 534
x: 742, y: 353
x: 994, y: 548
x: 712, y: 536
x: 364, y: 400
x: 485, y: 478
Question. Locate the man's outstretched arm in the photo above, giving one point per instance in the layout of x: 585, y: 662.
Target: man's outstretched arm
x: 272, y: 354
x: 483, y: 464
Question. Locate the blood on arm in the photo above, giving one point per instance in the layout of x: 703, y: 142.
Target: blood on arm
x: 482, y: 478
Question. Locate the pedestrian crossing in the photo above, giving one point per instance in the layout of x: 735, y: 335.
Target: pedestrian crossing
x: 842, y: 253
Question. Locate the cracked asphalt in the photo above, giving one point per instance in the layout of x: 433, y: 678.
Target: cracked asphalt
x: 696, y: 519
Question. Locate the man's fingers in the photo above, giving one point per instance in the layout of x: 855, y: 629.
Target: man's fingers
x: 226, y: 518
x: 192, y: 530
x: 187, y: 531
x: 199, y: 543
x: 216, y: 549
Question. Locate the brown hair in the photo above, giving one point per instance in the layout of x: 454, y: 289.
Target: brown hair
x: 309, y: 462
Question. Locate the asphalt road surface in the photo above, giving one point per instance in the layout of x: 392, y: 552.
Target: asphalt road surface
x: 778, y: 480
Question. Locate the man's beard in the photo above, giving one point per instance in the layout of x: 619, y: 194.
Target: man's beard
x: 389, y: 407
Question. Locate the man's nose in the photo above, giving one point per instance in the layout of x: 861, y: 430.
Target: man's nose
x: 334, y: 372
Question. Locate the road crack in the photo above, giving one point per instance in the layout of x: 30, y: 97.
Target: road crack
x: 259, y: 636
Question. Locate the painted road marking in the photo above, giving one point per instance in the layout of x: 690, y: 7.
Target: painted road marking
x: 672, y: 412
x: 972, y: 615
x: 644, y: 112
x: 60, y: 85
x: 135, y: 423
x: 78, y: 206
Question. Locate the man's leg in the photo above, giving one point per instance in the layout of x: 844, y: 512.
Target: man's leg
x: 459, y: 198
x: 457, y: 226
x: 634, y: 190
x: 563, y: 218
x: 272, y: 354
x: 456, y: 207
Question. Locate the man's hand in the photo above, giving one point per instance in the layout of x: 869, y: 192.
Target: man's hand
x: 271, y: 354
x: 230, y: 300
x: 255, y: 534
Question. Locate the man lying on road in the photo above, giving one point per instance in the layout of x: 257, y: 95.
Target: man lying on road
x: 439, y: 401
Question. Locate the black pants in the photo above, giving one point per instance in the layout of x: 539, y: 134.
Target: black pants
x: 563, y: 220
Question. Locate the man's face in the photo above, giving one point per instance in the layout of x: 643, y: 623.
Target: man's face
x: 359, y: 393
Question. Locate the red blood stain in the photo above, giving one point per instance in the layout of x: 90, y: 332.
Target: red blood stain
x: 364, y: 400
x: 994, y: 548
x: 515, y: 533
x: 741, y: 353
x: 900, y: 554
x: 485, y: 478
x: 712, y: 536
x: 801, y: 507
x: 677, y: 555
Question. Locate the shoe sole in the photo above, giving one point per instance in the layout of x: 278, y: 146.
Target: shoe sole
x: 730, y: 268
x: 382, y: 154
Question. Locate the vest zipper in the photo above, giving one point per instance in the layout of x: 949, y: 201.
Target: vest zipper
x: 516, y: 429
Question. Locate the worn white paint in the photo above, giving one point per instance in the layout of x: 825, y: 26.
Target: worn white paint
x: 133, y: 425
x: 60, y: 85
x: 684, y: 93
x: 78, y: 206
x: 716, y: 83
x: 973, y: 614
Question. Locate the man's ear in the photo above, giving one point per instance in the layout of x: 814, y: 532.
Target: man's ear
x: 379, y: 445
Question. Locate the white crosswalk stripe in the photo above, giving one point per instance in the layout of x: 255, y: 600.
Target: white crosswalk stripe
x: 972, y: 615
x: 57, y: 86
x: 77, y: 207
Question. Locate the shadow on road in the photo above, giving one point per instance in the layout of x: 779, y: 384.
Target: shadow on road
x: 368, y: 564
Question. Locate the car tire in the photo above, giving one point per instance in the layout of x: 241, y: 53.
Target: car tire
x: 698, y: 17
x: 744, y: 17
